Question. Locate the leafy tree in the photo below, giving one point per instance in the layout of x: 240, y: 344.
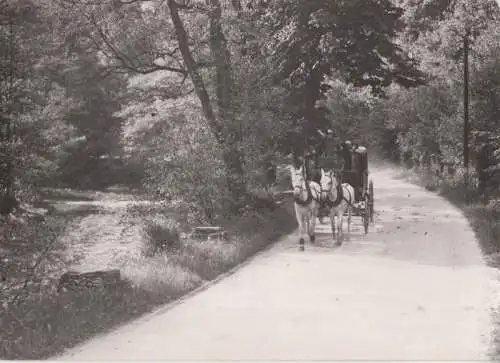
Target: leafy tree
x: 90, y: 163
x: 31, y: 131
x: 349, y: 108
x: 430, y: 119
x: 485, y: 88
x: 353, y: 40
x: 183, y: 160
x: 170, y: 37
x: 485, y: 82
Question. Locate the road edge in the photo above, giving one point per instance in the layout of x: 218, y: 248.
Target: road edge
x: 170, y: 305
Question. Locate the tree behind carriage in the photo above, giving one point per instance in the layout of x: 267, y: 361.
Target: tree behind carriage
x: 255, y: 67
x: 354, y: 41
x: 309, y: 42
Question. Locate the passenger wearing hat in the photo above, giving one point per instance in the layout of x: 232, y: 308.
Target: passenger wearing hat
x: 327, y: 151
x: 347, y: 155
x: 361, y: 161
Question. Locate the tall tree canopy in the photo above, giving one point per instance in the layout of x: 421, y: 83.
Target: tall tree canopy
x: 353, y: 40
x: 256, y: 77
x: 308, y: 42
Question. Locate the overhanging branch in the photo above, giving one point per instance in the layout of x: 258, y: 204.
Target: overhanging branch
x: 128, y: 63
x: 193, y: 8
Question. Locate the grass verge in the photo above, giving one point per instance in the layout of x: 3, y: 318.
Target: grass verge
x: 461, y: 190
x: 46, y: 323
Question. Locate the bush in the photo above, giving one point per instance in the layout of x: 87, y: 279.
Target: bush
x: 429, y: 180
x: 160, y: 235
x: 459, y: 188
x: 485, y: 220
x: 31, y: 252
x: 194, y: 173
x: 462, y: 187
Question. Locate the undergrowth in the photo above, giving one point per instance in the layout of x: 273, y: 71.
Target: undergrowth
x: 46, y: 323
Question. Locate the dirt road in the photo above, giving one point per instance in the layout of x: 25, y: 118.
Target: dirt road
x: 414, y: 288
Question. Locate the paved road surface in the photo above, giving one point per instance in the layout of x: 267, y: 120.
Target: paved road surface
x: 414, y: 288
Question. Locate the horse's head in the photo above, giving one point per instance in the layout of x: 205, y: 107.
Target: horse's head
x: 298, y: 180
x: 330, y: 181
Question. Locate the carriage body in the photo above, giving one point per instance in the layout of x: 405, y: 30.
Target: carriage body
x: 358, y: 178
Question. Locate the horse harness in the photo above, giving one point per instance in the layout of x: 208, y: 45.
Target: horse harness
x: 340, y: 196
x: 308, y: 190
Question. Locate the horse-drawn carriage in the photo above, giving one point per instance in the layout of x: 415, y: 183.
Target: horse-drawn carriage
x: 355, y: 173
x: 322, y: 188
x: 357, y: 177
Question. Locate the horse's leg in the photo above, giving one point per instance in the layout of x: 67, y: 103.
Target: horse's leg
x: 303, y: 231
x: 301, y: 227
x: 307, y: 223
x: 340, y: 234
x: 349, y: 215
x: 332, y: 222
x: 312, y: 225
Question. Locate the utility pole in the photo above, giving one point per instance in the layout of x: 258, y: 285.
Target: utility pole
x: 466, y: 99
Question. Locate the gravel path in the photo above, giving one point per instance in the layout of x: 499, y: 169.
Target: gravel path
x: 414, y: 288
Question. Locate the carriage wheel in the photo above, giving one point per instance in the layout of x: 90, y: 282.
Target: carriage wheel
x: 371, y: 200
x: 365, y: 214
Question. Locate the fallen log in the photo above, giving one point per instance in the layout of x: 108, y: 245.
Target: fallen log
x: 75, y: 281
x: 209, y: 233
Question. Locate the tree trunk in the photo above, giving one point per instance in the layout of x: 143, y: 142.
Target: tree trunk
x: 466, y: 99
x: 226, y: 104
x: 196, y: 78
x: 7, y: 196
x: 222, y: 58
x: 227, y: 131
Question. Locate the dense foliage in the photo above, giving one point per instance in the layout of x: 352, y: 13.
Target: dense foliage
x: 202, y: 99
x: 426, y: 123
x: 199, y: 103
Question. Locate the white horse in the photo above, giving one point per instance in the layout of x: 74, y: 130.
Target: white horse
x: 306, y: 197
x: 339, y: 198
